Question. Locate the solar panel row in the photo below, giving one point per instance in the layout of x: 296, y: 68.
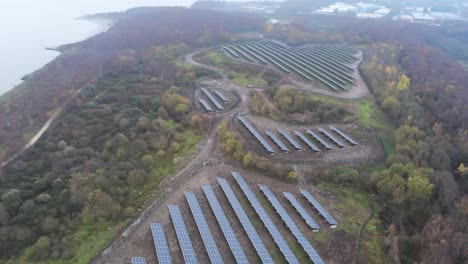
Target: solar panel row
x: 277, y: 141
x: 302, y: 212
x: 203, y: 228
x: 270, y: 226
x: 233, y: 53
x: 160, y: 244
x: 182, y: 235
x: 226, y: 228
x: 205, y: 105
x: 344, y: 135
x: 333, y: 223
x: 307, y: 141
x: 290, y: 139
x: 212, y: 99
x: 221, y: 96
x: 319, y: 139
x: 138, y: 260
x: 330, y: 136
x: 303, y: 241
x: 255, y: 239
x: 255, y: 133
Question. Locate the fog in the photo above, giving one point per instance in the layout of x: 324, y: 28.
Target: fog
x: 28, y: 26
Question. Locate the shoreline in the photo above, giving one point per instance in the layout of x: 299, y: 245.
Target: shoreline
x: 101, y: 22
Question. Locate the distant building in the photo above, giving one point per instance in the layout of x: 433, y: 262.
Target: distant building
x: 422, y: 17
x: 360, y: 10
x: 369, y: 15
x: 383, y: 11
x: 368, y: 8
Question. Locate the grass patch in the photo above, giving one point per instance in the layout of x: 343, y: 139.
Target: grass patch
x: 356, y: 207
x: 240, y: 74
x: 369, y: 115
x: 245, y: 80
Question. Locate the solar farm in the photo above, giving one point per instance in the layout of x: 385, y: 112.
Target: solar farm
x: 283, y: 141
x: 229, y: 196
x: 331, y: 65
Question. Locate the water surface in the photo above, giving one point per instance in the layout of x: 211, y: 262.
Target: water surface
x: 28, y: 26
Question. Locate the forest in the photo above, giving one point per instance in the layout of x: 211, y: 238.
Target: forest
x: 116, y: 139
x: 417, y: 80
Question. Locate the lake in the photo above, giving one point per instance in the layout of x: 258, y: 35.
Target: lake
x: 28, y: 26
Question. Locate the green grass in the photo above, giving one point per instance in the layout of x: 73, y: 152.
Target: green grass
x: 369, y: 115
x: 246, y: 80
x: 356, y: 207
x: 239, y: 74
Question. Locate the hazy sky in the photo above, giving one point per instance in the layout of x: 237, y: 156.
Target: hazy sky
x: 27, y: 26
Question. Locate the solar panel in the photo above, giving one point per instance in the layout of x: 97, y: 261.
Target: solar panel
x: 290, y: 139
x: 319, y: 139
x: 223, y: 222
x: 307, y: 141
x: 205, y: 105
x: 308, y: 248
x: 254, y: 54
x: 302, y: 212
x: 245, y: 222
x: 212, y: 99
x: 333, y: 223
x: 270, y: 226
x: 230, y: 51
x: 204, y: 229
x: 160, y: 244
x: 330, y: 136
x: 138, y: 260
x: 182, y: 235
x: 255, y: 133
x: 344, y: 135
x: 277, y: 141
x: 243, y: 53
x: 220, y: 95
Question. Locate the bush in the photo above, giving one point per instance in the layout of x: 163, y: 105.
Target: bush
x: 40, y: 250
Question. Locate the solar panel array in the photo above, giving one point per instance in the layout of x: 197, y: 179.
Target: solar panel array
x: 277, y: 141
x: 204, y: 229
x: 212, y: 99
x: 233, y: 53
x: 308, y: 248
x: 255, y: 133
x: 344, y: 135
x: 160, y: 244
x: 307, y: 141
x: 330, y: 136
x: 138, y: 260
x: 226, y: 228
x: 270, y: 226
x: 205, y: 105
x: 246, y: 223
x: 290, y: 139
x: 302, y: 212
x: 329, y: 64
x: 221, y: 95
x: 319, y: 208
x: 182, y: 235
x: 319, y: 139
